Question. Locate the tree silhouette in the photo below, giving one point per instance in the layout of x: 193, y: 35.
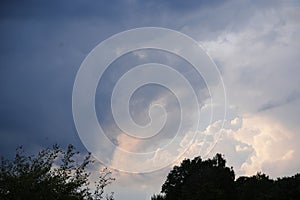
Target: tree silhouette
x: 52, y: 174
x: 158, y: 197
x: 287, y: 188
x: 209, y: 179
x: 258, y: 186
x: 198, y: 179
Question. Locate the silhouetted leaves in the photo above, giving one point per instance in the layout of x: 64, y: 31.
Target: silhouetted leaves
x: 254, y: 187
x: 198, y: 179
x: 52, y: 174
x: 210, y: 179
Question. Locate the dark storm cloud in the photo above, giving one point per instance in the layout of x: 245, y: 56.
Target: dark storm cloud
x: 44, y: 42
x: 59, y: 10
x: 110, y: 10
x: 42, y: 46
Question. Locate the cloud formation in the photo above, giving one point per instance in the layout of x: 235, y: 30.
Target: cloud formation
x: 259, y: 70
x: 254, y: 44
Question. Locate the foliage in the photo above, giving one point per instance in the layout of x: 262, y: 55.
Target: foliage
x: 158, y: 197
x: 52, y: 174
x: 199, y: 179
x: 195, y: 179
x: 260, y: 186
x: 254, y: 187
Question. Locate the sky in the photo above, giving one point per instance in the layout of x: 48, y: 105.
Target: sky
x: 254, y: 46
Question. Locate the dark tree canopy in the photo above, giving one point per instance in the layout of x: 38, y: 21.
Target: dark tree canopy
x: 260, y: 186
x: 210, y: 179
x: 198, y: 179
x: 52, y: 174
x: 254, y: 187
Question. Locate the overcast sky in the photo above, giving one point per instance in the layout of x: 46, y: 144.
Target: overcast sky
x: 254, y: 44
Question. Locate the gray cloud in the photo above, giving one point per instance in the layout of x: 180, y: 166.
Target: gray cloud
x: 273, y: 104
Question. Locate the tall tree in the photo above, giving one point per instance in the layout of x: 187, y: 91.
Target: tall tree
x: 52, y: 174
x: 198, y: 179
